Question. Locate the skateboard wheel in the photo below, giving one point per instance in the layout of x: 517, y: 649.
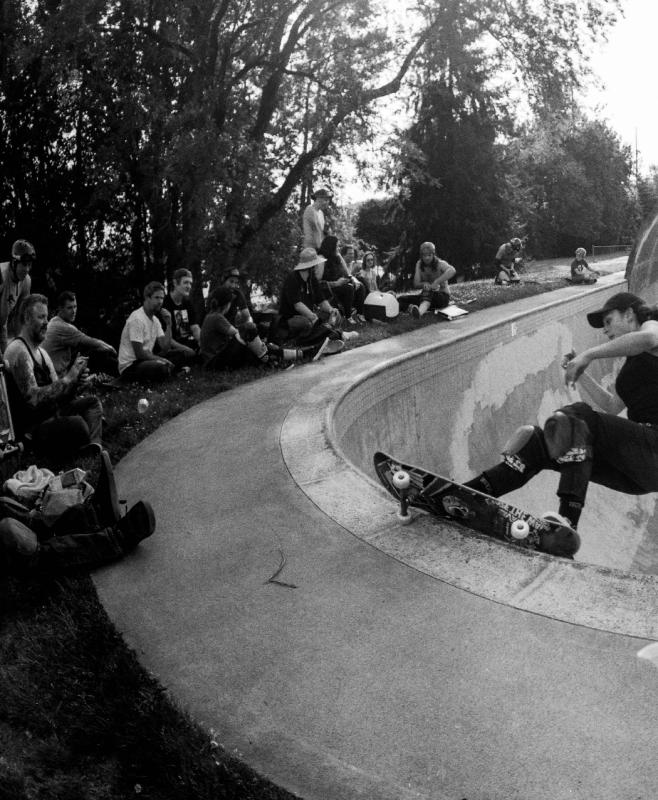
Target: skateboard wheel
x: 404, y: 519
x: 520, y: 529
x: 401, y: 480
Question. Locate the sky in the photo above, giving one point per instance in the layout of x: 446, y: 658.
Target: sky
x: 627, y: 65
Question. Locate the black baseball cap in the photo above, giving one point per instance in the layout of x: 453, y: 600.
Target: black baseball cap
x: 618, y: 302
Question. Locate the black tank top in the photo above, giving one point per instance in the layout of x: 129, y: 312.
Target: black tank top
x: 637, y: 385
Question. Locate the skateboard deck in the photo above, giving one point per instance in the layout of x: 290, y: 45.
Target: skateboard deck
x: 8, y: 443
x: 451, y: 312
x: 445, y: 498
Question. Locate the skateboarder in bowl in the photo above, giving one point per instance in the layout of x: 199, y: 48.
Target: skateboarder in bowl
x: 584, y: 443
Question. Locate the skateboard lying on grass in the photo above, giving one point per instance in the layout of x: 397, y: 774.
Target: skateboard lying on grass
x: 442, y: 497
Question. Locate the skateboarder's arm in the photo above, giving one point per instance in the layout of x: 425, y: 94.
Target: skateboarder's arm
x: 644, y: 340
x: 609, y: 402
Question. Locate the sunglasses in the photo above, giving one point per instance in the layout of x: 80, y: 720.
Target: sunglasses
x: 27, y: 260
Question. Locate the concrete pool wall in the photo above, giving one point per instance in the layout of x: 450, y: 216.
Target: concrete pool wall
x: 452, y: 408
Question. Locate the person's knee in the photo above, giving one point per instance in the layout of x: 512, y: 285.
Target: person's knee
x: 525, y: 448
x: 569, y: 433
x: 248, y: 331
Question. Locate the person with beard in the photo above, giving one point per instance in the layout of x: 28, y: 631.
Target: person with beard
x: 45, y: 408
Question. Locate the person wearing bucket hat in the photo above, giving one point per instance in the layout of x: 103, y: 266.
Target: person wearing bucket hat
x: 15, y: 286
x: 589, y: 441
x: 313, y: 220
x: 303, y: 308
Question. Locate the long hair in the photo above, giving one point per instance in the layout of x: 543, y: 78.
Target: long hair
x: 643, y: 311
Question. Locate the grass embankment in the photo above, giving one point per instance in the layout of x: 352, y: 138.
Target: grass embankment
x: 80, y: 719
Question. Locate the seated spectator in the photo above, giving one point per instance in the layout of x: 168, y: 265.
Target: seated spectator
x: 15, y: 286
x: 346, y: 293
x: 64, y: 341
x: 85, y: 536
x: 44, y: 407
x: 431, y: 277
x: 580, y: 269
x: 507, y: 257
x: 367, y: 273
x: 350, y: 257
x: 185, y: 331
x: 141, y: 333
x: 239, y: 311
x: 223, y: 346
x: 304, y: 309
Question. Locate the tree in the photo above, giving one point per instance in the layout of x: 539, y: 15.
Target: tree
x: 484, y: 73
x: 578, y: 175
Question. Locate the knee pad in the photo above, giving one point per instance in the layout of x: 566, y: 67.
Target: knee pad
x: 568, y: 437
x: 525, y: 448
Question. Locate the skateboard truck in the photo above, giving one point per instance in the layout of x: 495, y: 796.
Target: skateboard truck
x: 401, y: 481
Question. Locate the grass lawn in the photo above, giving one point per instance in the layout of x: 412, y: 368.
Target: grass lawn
x: 80, y: 719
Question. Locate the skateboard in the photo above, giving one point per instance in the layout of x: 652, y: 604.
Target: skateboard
x: 8, y: 443
x: 444, y: 498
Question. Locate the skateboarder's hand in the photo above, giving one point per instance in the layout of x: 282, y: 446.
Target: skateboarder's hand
x: 575, y: 369
x: 567, y: 358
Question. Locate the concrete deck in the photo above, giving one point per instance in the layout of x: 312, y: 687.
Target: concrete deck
x: 371, y: 676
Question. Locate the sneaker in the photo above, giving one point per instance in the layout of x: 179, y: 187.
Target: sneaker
x: 347, y: 335
x: 321, y: 349
x: 362, y: 320
x: 553, y: 516
x: 136, y: 525
x: 414, y: 311
x: 563, y: 540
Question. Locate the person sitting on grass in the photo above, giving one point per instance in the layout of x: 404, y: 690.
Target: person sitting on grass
x: 45, y: 408
x: 431, y: 277
x: 222, y: 345
x: 507, y: 257
x: 185, y: 331
x: 83, y: 537
x: 239, y: 311
x: 139, y: 337
x: 345, y: 292
x: 580, y: 270
x: 366, y: 274
x: 304, y: 310
x: 64, y: 341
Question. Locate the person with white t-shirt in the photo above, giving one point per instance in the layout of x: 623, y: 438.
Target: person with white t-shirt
x: 141, y: 333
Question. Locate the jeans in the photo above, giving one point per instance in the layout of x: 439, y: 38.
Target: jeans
x: 624, y: 457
